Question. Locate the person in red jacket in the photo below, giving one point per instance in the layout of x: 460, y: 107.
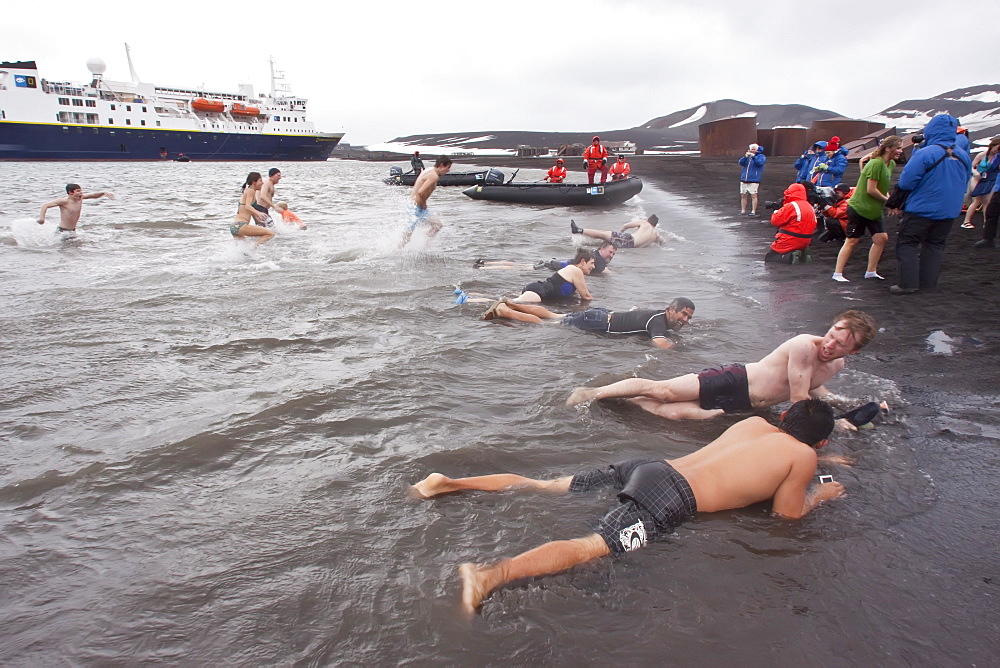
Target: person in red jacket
x: 796, y: 222
x: 596, y: 158
x: 620, y: 170
x: 557, y: 174
x: 836, y: 215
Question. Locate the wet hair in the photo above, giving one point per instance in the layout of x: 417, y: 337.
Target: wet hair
x: 252, y: 178
x: 653, y: 220
x: 281, y: 205
x: 809, y: 421
x: 70, y: 187
x: 581, y: 255
x: 442, y: 161
x: 273, y: 171
x: 885, y: 148
x: 605, y: 244
x: 860, y: 325
x: 681, y: 303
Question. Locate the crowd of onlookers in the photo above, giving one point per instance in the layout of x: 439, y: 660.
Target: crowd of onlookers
x: 938, y: 178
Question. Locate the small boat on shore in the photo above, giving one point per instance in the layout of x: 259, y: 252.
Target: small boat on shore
x: 398, y: 178
x: 559, y: 194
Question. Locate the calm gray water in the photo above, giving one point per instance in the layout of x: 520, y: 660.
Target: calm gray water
x: 207, y: 449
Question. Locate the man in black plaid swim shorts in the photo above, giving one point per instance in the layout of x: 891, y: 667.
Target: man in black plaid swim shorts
x: 752, y: 461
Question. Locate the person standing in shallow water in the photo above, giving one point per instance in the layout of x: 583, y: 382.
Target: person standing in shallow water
x: 70, y: 207
x: 750, y: 462
x: 242, y: 226
x: 864, y: 210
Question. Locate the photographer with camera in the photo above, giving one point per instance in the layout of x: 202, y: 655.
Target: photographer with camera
x: 864, y: 209
x: 831, y: 167
x: 796, y: 222
x: 752, y: 163
x: 835, y: 219
x: 808, y: 159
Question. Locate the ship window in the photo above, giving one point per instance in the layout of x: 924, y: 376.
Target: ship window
x: 112, y: 107
x: 96, y: 131
x: 111, y: 121
x: 157, y: 124
x: 91, y: 103
x: 142, y: 122
x: 65, y: 130
x: 144, y: 109
x: 128, y: 107
x: 112, y: 132
x: 77, y: 103
x: 128, y: 121
x: 64, y: 100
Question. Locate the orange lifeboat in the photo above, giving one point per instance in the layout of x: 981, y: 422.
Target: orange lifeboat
x: 201, y: 104
x: 239, y: 109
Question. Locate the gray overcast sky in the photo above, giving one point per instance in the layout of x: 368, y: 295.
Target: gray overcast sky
x: 385, y: 68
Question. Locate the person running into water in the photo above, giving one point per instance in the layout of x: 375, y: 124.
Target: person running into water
x: 242, y: 226
x: 288, y: 216
x: 643, y: 233
x: 793, y: 371
x: 70, y: 207
x: 656, y: 324
x: 750, y: 462
x: 422, y: 189
x: 265, y: 197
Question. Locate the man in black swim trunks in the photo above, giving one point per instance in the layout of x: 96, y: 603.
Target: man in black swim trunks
x: 750, y: 462
x: 795, y: 370
x: 658, y: 325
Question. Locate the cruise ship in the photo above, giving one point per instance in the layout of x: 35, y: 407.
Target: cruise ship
x: 133, y: 120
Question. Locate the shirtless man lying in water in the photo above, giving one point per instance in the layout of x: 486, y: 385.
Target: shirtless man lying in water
x: 752, y: 461
x: 793, y: 371
x: 636, y: 234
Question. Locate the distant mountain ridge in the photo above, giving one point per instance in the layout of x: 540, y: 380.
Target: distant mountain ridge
x: 977, y: 107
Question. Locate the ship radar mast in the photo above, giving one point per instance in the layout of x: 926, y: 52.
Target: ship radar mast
x: 279, y: 87
x: 131, y: 69
x: 97, y: 69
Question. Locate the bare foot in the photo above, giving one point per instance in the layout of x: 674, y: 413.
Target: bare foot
x: 582, y: 395
x: 429, y: 487
x: 472, y: 588
x: 503, y: 311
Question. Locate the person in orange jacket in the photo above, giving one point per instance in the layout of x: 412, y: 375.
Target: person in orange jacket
x: 557, y: 174
x: 620, y: 170
x: 796, y: 222
x: 596, y: 158
x: 836, y: 215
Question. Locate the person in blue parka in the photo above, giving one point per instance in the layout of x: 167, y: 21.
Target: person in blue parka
x: 752, y: 164
x: 830, y: 169
x: 808, y: 159
x: 936, y: 177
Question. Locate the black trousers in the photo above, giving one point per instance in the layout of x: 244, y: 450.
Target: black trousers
x: 920, y: 250
x: 991, y: 215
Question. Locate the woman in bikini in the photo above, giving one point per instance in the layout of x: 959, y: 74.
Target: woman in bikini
x: 242, y: 226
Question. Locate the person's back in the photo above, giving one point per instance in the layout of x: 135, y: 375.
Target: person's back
x: 747, y: 464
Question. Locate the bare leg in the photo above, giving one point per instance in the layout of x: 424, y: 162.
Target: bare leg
x: 682, y: 388
x: 435, y: 226
x: 971, y: 211
x: 875, y: 252
x: 533, y: 309
x: 753, y: 198
x: 845, y: 254
x: 507, y: 311
x: 597, y: 234
x: 250, y: 230
x: 406, y: 238
x: 685, y: 410
x: 478, y: 581
x: 743, y: 202
x: 436, y: 483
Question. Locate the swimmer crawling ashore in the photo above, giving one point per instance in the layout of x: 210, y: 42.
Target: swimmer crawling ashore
x: 657, y: 325
x: 750, y: 462
x: 795, y: 370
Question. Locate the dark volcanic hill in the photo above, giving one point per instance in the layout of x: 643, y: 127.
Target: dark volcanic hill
x: 976, y: 107
x: 673, y: 130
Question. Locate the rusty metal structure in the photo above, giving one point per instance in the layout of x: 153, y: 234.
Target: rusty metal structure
x: 727, y: 137
x: 848, y: 129
x: 782, y: 140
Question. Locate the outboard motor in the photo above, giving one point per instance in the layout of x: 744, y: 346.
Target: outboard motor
x: 395, y: 172
x: 494, y: 177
